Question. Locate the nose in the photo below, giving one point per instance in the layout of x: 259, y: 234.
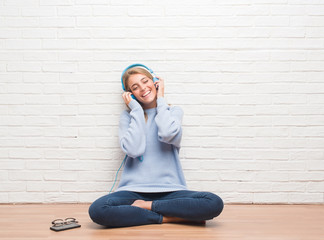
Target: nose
x: 141, y: 87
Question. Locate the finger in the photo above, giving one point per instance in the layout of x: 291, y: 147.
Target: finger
x: 129, y: 95
x: 126, y: 97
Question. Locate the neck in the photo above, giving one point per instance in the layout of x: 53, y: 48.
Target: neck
x: 149, y: 105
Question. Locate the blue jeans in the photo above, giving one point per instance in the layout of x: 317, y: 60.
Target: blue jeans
x: 115, y: 210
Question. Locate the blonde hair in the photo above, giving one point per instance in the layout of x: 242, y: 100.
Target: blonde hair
x: 132, y: 71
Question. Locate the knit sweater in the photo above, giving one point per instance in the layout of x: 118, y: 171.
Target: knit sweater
x: 152, y: 147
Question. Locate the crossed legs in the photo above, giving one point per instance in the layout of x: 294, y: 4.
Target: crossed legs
x: 125, y: 208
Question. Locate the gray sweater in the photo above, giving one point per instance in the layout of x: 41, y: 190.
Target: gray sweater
x: 152, y: 163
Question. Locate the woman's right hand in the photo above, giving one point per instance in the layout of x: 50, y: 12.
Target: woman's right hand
x: 127, y: 97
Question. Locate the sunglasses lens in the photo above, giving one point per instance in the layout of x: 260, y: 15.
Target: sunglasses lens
x: 70, y: 220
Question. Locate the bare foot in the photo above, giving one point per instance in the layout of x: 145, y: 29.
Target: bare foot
x: 143, y: 204
x: 172, y: 219
x: 180, y: 220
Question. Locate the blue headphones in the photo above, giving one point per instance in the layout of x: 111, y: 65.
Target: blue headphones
x: 141, y: 66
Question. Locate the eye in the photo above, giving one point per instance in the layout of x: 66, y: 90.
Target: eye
x: 134, y: 88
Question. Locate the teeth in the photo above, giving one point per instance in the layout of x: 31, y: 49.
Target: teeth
x: 146, y: 93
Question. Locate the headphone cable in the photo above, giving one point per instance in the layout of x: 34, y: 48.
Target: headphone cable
x: 117, y: 174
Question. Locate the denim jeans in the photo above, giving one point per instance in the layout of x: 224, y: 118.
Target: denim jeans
x: 115, y: 210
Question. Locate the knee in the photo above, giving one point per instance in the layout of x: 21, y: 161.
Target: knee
x: 95, y: 213
x: 216, y: 205
x: 100, y: 211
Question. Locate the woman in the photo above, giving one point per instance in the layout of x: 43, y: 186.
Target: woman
x: 152, y: 188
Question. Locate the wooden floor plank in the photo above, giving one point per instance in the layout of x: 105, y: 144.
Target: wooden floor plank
x: 237, y: 222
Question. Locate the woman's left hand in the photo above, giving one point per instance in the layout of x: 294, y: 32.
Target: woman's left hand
x: 159, y: 84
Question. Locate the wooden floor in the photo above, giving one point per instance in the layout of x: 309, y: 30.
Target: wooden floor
x: 243, y: 222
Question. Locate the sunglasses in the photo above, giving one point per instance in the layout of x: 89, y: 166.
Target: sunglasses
x: 68, y: 223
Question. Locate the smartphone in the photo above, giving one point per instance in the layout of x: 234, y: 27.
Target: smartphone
x: 65, y: 227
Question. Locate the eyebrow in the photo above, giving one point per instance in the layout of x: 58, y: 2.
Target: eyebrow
x: 136, y: 83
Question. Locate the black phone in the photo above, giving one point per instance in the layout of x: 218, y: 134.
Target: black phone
x: 65, y: 227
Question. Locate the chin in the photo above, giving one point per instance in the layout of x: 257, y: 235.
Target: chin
x: 148, y: 102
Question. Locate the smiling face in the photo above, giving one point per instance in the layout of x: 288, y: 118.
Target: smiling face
x: 143, y: 89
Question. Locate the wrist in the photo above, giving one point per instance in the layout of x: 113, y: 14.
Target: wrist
x: 134, y: 104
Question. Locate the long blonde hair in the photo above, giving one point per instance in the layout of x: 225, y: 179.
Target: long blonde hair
x: 132, y: 71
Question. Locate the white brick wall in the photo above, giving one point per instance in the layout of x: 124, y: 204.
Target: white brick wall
x: 248, y: 74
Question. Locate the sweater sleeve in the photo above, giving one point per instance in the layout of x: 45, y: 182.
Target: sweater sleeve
x: 132, y: 130
x: 168, y: 120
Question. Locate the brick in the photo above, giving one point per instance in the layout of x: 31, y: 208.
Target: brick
x: 271, y: 176
x: 66, y: 176
x: 141, y: 11
x: 11, y: 121
x: 4, y: 197
x: 12, y: 165
x: 30, y: 77
x: 23, y: 44
x: 3, y: 176
x: 57, y: 22
x: 56, y: 2
x: 12, y: 142
x: 42, y: 165
x: 125, y: 2
x: 76, y: 143
x: 14, y: 22
x: 271, y: 197
x: 85, y: 187
x: 38, y: 11
x: 59, y: 88
x: 109, y: 11
x: 10, y: 99
x: 43, y: 187
x: 24, y: 67
x: 23, y: 197
x: 23, y: 175
x: 306, y: 21
x: 9, y: 33
x: 73, y: 165
x: 12, y: 187
x: 41, y: 121
x: 9, y: 11
x: 59, y: 197
x: 39, y: 33
x: 26, y: 153
x: 59, y: 44
x: 96, y: 175
x: 92, y: 155
x: 287, y: 32
x: 21, y: 2
x: 315, y: 165
x: 306, y: 198
x: 42, y: 100
x: 74, y: 11
x: 95, y: 2
x: 71, y: 33
x: 230, y: 197
x: 60, y: 154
